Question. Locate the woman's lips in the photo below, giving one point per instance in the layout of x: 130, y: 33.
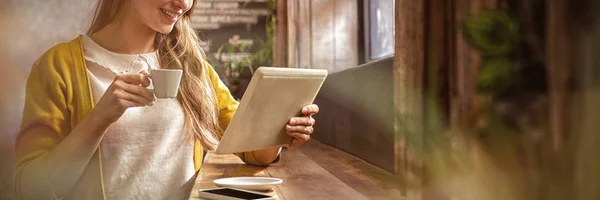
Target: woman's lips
x: 170, y: 15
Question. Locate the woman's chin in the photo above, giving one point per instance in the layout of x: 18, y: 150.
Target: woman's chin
x: 165, y: 29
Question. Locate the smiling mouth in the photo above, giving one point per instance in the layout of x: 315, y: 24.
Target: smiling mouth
x: 169, y: 13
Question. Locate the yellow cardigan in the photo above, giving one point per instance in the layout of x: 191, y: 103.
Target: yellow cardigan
x: 59, y: 96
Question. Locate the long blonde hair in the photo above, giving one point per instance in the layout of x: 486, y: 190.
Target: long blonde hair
x: 179, y: 49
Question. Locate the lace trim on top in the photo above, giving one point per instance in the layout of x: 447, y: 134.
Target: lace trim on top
x: 118, y: 63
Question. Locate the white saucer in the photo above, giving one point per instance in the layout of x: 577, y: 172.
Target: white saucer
x: 249, y: 183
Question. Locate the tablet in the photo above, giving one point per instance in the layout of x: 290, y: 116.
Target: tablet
x: 273, y: 96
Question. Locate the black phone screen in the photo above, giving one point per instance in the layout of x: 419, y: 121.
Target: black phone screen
x: 236, y: 193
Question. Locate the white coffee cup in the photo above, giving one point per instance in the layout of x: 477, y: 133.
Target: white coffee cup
x: 165, y: 82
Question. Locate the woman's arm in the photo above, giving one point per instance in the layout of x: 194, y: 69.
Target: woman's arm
x: 50, y: 157
x: 262, y: 157
x: 66, y: 162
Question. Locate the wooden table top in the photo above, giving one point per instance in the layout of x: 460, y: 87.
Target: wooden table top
x: 312, y: 171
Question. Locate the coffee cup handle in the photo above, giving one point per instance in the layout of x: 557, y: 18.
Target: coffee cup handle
x: 150, y: 77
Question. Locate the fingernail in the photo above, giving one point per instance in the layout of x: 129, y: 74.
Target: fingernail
x: 304, y: 110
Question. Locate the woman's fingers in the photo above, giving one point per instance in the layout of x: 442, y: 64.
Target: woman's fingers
x: 310, y: 110
x: 138, y: 100
x: 298, y: 138
x: 124, y: 104
x: 134, y: 79
x: 297, y: 121
x: 300, y: 129
x: 135, y: 90
x: 301, y: 124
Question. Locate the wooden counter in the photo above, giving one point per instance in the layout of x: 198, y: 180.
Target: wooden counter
x: 312, y: 171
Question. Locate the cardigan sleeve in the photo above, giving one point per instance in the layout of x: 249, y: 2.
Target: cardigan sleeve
x: 227, y: 106
x: 45, y: 120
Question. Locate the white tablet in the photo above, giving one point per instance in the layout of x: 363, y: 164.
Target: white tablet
x: 273, y: 96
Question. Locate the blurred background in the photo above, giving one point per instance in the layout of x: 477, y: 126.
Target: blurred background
x: 28, y: 28
x: 456, y: 99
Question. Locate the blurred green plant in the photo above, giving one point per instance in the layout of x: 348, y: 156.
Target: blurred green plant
x: 264, y: 54
x: 235, y: 65
x: 263, y: 49
x: 483, y: 157
x: 495, y: 35
x: 495, y: 75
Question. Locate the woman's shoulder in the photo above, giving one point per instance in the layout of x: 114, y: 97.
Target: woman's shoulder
x: 58, y: 56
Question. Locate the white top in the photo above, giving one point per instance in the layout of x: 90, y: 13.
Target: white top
x: 146, y: 154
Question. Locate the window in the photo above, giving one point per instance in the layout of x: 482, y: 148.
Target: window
x: 379, y: 29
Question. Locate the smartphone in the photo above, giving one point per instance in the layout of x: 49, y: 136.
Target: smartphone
x: 231, y: 194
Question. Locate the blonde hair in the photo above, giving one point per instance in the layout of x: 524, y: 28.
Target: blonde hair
x: 179, y: 49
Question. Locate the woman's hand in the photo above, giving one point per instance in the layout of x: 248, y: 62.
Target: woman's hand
x: 126, y: 91
x: 300, y: 128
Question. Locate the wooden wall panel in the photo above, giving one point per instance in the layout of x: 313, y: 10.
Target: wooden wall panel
x: 292, y: 32
x: 281, y: 32
x: 587, y: 163
x: 345, y: 32
x: 304, y: 36
x: 462, y: 77
x: 559, y: 61
x: 463, y: 100
x: 323, y: 35
x: 438, y: 52
x: 334, y: 34
x: 408, y: 83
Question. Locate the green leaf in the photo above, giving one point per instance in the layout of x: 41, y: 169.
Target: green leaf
x: 495, y: 76
x: 493, y: 33
x: 230, y: 48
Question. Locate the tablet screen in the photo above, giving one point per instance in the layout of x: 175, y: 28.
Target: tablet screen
x: 236, y: 193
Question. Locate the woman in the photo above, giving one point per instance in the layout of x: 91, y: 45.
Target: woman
x: 91, y: 128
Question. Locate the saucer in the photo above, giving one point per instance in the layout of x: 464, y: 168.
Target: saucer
x: 249, y: 183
